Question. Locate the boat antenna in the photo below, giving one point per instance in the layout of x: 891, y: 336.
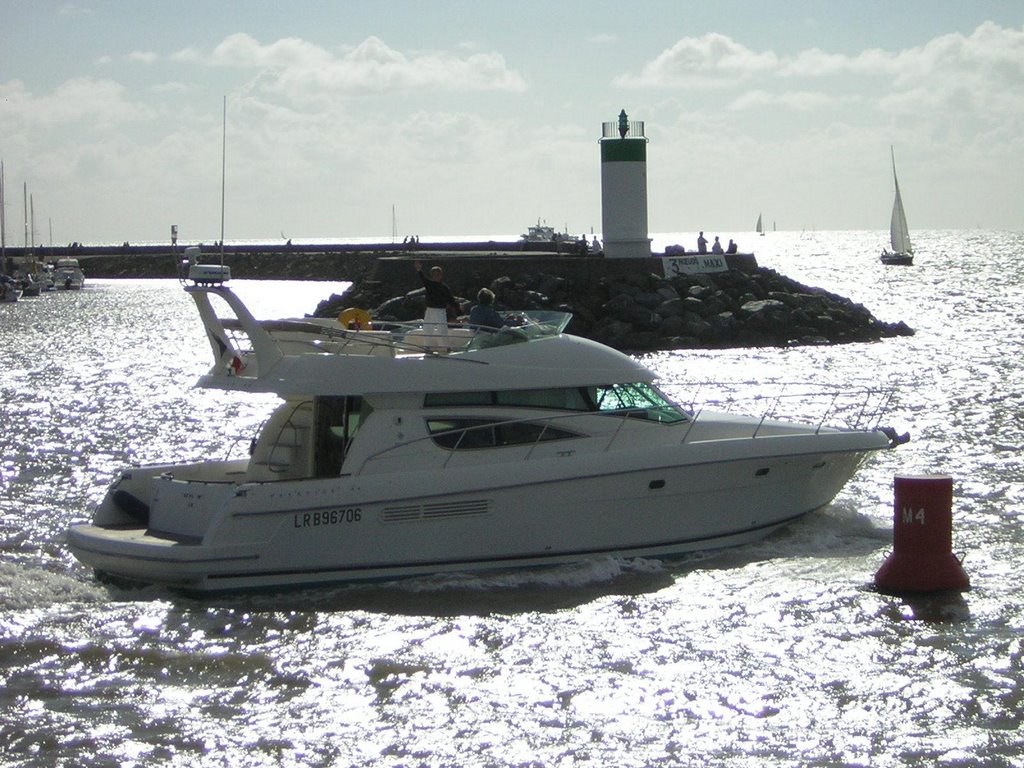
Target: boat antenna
x: 223, y: 172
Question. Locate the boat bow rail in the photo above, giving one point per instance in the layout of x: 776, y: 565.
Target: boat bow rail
x: 855, y: 408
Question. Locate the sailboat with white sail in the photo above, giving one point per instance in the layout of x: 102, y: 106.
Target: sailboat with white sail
x: 759, y: 227
x: 899, y: 233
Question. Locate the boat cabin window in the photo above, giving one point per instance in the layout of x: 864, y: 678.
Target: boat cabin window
x: 638, y: 399
x: 337, y: 421
x: 467, y: 434
x: 564, y: 398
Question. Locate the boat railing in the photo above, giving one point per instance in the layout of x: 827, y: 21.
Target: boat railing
x: 247, y: 348
x: 396, y: 338
x: 823, y: 406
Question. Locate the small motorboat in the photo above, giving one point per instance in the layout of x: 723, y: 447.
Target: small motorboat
x: 67, y: 274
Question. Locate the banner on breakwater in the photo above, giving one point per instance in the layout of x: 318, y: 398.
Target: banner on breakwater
x: 695, y: 264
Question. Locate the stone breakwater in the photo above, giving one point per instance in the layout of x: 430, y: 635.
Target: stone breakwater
x: 633, y: 308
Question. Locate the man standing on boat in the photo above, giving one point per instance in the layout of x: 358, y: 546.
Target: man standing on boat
x: 440, y: 300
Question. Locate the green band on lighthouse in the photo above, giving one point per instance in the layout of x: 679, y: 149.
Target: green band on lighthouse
x: 624, y: 150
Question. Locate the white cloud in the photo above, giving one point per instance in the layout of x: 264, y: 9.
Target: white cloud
x: 171, y: 87
x: 143, y: 57
x: 801, y: 101
x: 711, y: 61
x: 980, y: 73
x: 74, y: 10
x: 817, y: 63
x: 80, y: 101
x: 297, y: 67
x: 714, y: 59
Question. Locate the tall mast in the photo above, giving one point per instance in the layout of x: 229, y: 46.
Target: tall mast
x: 24, y: 202
x: 3, y: 217
x: 223, y: 173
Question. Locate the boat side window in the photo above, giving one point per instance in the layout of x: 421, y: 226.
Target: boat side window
x: 468, y: 434
x: 638, y: 400
x: 448, y: 399
x: 564, y: 398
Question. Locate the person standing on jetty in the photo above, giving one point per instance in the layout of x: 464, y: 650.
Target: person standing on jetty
x: 702, y: 243
x: 440, y: 300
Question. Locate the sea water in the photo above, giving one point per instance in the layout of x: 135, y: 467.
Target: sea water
x: 778, y: 653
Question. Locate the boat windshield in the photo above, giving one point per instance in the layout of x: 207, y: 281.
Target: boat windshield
x: 523, y: 326
x: 638, y: 399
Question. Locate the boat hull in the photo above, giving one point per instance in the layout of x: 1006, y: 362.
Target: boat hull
x: 315, y: 532
x: 897, y: 259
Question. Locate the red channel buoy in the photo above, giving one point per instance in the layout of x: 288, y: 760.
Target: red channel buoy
x: 922, y: 558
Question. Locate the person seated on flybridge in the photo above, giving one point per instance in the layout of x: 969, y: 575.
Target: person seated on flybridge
x: 483, y: 315
x: 439, y: 299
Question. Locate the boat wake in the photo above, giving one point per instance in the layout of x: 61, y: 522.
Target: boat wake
x: 30, y: 587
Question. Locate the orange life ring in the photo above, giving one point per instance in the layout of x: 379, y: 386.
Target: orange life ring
x: 354, y: 319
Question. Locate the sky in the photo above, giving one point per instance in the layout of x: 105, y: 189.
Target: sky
x: 447, y: 118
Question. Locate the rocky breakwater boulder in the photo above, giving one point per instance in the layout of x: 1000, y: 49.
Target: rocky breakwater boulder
x: 639, y: 312
x: 731, y: 309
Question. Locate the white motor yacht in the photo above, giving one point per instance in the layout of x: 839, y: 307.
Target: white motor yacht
x: 397, y: 452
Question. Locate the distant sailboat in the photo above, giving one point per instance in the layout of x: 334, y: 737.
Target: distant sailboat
x: 760, y: 228
x: 899, y: 233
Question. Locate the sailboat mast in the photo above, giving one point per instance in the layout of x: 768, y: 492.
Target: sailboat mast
x: 3, y: 217
x: 223, y: 172
x: 24, y: 203
x: 894, y: 179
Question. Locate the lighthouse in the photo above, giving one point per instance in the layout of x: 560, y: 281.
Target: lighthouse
x: 624, y: 189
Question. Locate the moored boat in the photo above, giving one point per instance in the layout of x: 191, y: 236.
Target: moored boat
x: 398, y: 451
x: 30, y: 286
x: 10, y: 289
x: 67, y: 274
